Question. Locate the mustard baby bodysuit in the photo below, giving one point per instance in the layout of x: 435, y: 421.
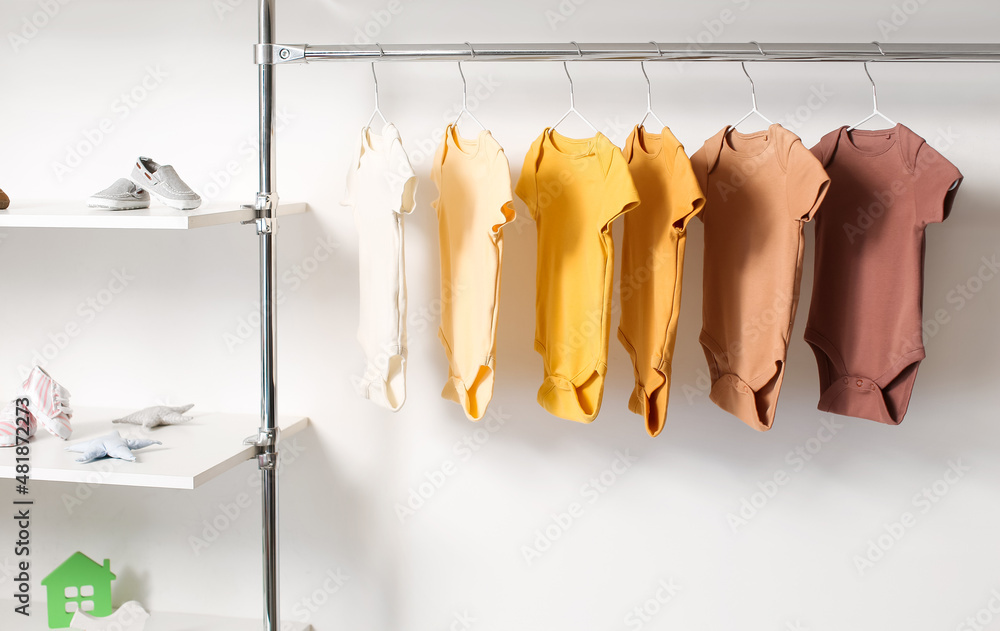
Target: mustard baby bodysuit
x: 653, y: 265
x: 574, y: 189
x: 474, y: 203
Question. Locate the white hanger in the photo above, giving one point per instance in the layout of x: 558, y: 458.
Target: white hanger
x: 381, y: 53
x: 572, y: 102
x: 465, y: 95
x: 753, y: 93
x: 875, y: 111
x: 649, y: 91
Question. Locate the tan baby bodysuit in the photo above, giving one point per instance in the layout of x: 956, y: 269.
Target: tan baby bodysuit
x: 760, y: 190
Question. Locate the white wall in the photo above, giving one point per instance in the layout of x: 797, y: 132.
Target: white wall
x: 168, y: 337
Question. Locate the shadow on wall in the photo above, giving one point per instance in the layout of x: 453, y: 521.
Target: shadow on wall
x: 131, y: 585
x: 360, y: 546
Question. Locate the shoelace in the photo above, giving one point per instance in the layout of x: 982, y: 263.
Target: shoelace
x: 62, y: 403
x: 60, y: 396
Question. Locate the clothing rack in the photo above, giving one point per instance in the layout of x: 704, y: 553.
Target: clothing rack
x: 268, y: 54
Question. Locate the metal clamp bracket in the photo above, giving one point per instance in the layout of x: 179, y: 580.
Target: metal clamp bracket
x: 279, y: 53
x: 265, y: 225
x: 266, y: 442
x: 265, y: 204
x: 264, y: 207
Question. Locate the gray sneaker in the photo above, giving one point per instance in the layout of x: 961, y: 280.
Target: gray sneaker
x: 122, y: 195
x: 163, y: 183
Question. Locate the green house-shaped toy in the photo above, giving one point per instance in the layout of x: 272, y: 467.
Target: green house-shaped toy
x: 78, y: 584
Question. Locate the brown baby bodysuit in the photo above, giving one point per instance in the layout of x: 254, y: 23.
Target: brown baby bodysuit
x: 760, y: 189
x: 865, y: 319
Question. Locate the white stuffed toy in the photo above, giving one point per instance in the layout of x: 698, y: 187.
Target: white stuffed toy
x: 129, y: 617
x: 157, y: 415
x: 112, y: 446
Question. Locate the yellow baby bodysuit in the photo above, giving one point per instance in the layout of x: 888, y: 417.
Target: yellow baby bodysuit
x: 574, y: 189
x: 653, y: 265
x: 474, y: 202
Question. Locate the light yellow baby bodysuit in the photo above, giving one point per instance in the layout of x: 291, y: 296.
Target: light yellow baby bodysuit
x: 653, y: 265
x: 574, y: 189
x: 474, y: 203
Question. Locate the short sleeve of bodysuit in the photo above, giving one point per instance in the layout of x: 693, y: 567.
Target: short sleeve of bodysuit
x: 937, y: 181
x: 401, y: 180
x: 499, y: 192
x: 806, y: 182
x: 525, y: 187
x: 350, y: 198
x: 823, y: 150
x: 437, y: 173
x: 621, y: 192
x: 690, y: 202
x: 699, y: 166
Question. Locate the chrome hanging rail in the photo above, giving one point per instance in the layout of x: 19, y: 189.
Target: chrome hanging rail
x: 643, y: 51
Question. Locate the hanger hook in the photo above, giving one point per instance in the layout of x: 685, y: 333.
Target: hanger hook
x: 571, y: 98
x: 377, y: 110
x: 874, y: 89
x: 572, y: 95
x: 465, y: 86
x: 649, y: 87
x: 867, y: 72
x: 753, y: 89
x: 381, y: 54
x: 642, y: 66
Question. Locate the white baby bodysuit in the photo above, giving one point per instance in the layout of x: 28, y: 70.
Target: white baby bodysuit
x: 381, y: 187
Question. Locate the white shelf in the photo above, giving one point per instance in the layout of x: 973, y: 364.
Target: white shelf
x: 158, y: 621
x: 69, y: 214
x: 191, y: 454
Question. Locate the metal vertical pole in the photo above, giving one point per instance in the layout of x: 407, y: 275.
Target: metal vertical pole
x: 267, y: 439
